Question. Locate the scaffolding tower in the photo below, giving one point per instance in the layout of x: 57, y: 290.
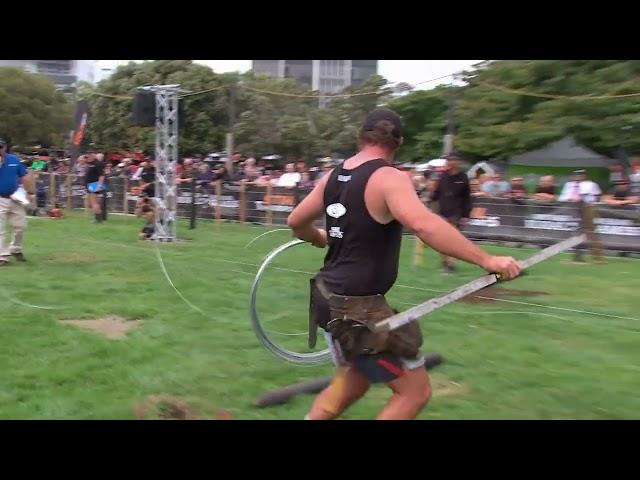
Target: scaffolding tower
x: 166, y: 159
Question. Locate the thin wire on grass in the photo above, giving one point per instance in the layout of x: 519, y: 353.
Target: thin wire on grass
x: 504, y: 300
x: 29, y: 305
x: 528, y: 304
x: 265, y: 233
x: 182, y: 297
x: 474, y: 296
x: 195, y: 307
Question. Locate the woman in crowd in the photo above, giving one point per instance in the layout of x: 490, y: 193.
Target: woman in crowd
x: 250, y: 172
x: 517, y: 190
x: 546, y: 189
x: 204, y: 178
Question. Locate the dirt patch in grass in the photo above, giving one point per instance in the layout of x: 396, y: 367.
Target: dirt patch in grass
x: 163, y: 407
x: 489, y: 294
x: 113, y: 327
x: 167, y: 407
x: 73, y: 258
x: 443, y: 387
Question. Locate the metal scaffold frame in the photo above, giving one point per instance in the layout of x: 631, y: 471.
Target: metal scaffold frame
x: 166, y: 159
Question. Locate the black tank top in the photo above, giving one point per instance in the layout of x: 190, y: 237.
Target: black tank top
x: 363, y: 254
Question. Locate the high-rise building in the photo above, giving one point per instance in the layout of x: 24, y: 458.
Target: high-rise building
x: 63, y: 73
x: 325, y: 76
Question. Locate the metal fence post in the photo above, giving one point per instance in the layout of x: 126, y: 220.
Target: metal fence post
x: 192, y: 214
x: 104, y: 199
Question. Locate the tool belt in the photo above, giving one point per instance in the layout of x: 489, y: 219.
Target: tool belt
x: 352, y: 321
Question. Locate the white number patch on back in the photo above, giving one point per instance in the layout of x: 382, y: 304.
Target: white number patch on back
x: 336, y: 210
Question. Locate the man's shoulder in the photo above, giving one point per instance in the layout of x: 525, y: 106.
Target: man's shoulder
x: 388, y: 172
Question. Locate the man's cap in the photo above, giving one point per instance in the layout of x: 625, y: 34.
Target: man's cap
x: 381, y: 114
x: 451, y: 156
x: 580, y: 171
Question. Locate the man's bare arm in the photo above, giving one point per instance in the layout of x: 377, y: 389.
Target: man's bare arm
x: 310, y: 209
x: 405, y: 206
x: 545, y: 196
x: 27, y: 183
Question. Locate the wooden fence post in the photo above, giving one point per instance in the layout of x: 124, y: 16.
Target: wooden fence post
x: 243, y: 204
x: 125, y: 195
x: 418, y: 253
x: 268, y: 202
x: 69, y: 191
x: 52, y: 190
x: 218, y: 200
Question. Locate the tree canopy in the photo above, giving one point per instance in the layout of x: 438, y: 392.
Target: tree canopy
x: 501, y: 109
x: 292, y: 124
x: 32, y: 110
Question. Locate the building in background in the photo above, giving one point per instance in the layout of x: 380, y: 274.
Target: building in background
x: 325, y: 76
x: 106, y: 68
x: 63, y: 73
x: 102, y: 73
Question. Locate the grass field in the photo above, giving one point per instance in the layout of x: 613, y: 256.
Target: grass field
x: 502, y: 359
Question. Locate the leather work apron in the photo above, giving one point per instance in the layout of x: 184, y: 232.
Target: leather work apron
x: 350, y: 320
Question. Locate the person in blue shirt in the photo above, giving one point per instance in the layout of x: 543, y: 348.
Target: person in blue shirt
x: 13, y: 175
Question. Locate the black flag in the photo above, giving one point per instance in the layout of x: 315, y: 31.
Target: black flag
x: 81, y: 119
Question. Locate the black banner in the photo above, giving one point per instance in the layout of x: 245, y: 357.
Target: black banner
x: 81, y: 120
x: 545, y: 223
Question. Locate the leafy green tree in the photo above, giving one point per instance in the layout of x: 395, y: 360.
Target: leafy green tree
x: 423, y: 114
x: 496, y: 122
x: 32, y: 110
x: 205, y: 116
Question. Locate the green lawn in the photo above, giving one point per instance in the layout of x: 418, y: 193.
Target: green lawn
x: 503, y: 360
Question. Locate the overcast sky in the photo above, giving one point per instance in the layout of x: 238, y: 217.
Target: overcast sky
x: 410, y: 71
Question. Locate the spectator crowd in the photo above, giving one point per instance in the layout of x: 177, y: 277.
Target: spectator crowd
x: 624, y: 189
x: 205, y: 171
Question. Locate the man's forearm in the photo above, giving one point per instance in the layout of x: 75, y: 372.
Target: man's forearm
x: 444, y: 238
x: 307, y: 233
x: 27, y: 183
x: 545, y: 196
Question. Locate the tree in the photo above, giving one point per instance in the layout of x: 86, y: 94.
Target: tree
x: 495, y: 122
x: 205, y: 118
x: 290, y: 122
x: 273, y: 122
x: 424, y: 121
x: 340, y: 122
x: 271, y: 115
x: 32, y: 110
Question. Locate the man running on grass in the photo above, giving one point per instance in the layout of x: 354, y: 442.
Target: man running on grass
x: 366, y: 203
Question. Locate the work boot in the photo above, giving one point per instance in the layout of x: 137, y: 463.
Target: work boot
x: 19, y: 256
